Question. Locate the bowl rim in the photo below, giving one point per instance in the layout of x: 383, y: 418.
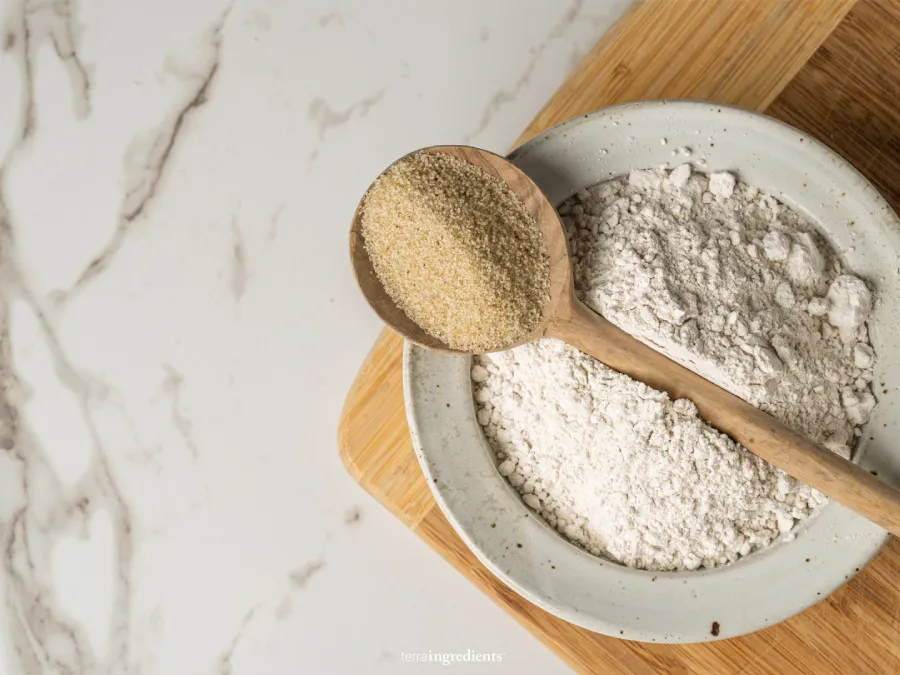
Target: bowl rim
x: 876, y: 539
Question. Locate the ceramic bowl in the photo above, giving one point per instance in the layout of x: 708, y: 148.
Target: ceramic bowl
x: 765, y: 587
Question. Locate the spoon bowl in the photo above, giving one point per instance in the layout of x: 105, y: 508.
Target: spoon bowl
x: 537, y: 205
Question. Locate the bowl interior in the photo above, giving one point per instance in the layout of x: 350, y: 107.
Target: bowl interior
x: 681, y: 606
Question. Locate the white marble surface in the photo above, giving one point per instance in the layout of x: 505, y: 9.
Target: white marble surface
x: 180, y: 324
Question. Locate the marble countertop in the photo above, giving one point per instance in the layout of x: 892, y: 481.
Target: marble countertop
x: 180, y: 324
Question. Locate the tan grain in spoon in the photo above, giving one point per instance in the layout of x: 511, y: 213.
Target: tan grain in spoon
x: 566, y: 318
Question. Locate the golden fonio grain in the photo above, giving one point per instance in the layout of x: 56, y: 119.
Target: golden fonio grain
x: 457, y: 251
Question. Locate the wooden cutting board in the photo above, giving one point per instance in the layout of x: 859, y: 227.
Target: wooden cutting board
x: 830, y: 68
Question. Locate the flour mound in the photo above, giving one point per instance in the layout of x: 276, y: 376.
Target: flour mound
x: 731, y: 283
x: 622, y: 470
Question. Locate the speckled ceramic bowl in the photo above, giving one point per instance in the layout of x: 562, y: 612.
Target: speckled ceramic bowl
x: 765, y: 587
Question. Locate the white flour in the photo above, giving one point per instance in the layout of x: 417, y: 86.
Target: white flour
x: 622, y: 470
x: 731, y: 283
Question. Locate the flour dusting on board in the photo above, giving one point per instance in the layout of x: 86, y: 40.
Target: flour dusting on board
x: 731, y: 283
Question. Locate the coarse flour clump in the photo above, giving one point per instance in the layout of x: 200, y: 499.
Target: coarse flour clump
x: 728, y: 281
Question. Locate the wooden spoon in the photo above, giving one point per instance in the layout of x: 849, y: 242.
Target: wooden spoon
x: 566, y: 318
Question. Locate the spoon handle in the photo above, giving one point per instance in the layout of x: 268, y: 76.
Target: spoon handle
x: 759, y: 432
